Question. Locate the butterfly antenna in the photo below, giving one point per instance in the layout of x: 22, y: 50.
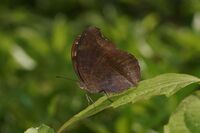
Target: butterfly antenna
x: 63, y: 77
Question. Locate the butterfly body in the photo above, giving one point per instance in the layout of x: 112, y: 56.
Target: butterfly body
x: 100, y: 66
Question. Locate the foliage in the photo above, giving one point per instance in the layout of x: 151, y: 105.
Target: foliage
x: 40, y: 129
x: 35, y: 47
x: 166, y: 84
x: 186, y: 119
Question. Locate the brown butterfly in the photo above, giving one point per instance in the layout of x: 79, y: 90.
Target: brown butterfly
x: 101, y: 66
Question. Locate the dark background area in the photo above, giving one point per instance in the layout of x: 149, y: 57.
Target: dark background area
x: 35, y: 46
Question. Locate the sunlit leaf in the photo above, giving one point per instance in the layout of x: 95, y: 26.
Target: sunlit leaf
x: 186, y: 119
x: 41, y: 129
x: 166, y: 84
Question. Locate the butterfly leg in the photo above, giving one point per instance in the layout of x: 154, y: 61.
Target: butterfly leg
x: 106, y: 95
x: 89, y: 99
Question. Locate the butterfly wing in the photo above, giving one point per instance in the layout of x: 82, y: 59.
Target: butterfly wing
x: 100, y: 66
x: 85, y: 51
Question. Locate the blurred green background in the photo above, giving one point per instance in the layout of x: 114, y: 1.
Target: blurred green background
x: 35, y: 46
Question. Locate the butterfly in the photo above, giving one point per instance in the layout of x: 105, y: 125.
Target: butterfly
x: 101, y: 66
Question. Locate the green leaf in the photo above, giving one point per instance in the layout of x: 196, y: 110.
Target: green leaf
x: 186, y: 118
x: 41, y: 129
x: 59, y: 33
x: 166, y: 84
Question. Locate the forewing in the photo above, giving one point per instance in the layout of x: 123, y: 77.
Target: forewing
x: 87, y: 52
